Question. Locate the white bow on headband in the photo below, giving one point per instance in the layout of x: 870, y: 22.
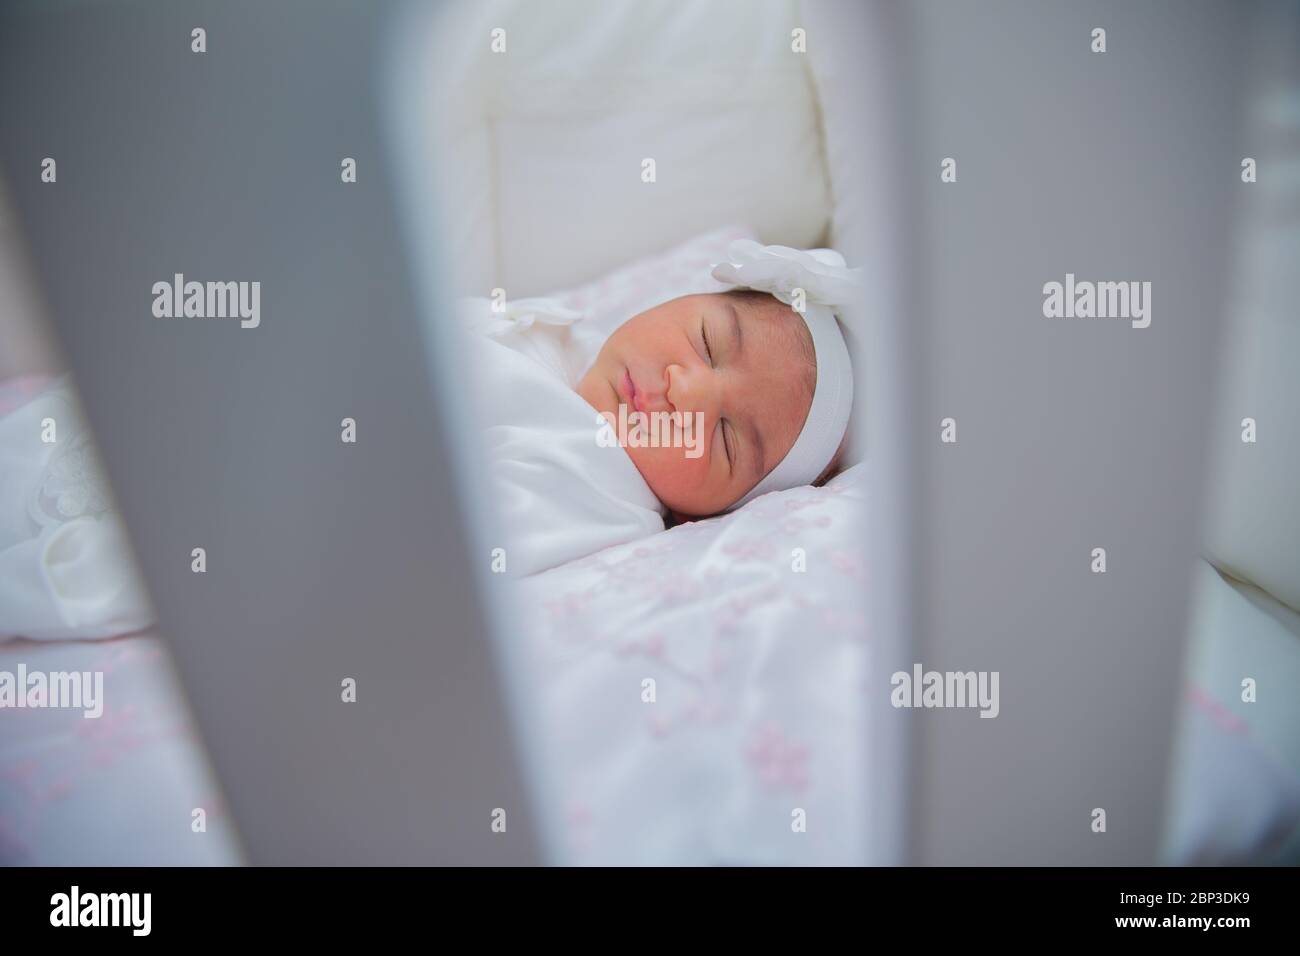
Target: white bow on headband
x: 780, y: 271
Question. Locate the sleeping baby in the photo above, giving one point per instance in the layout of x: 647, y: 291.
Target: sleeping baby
x: 689, y: 409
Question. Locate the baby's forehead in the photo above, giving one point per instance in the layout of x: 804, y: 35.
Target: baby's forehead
x: 774, y: 321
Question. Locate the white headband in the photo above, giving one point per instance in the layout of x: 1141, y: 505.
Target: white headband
x: 818, y: 280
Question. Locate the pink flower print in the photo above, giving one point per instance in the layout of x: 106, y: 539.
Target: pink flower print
x: 670, y: 587
x: 726, y: 623
x: 212, y: 807
x: 12, y: 848
x: 652, y: 646
x: 626, y: 570
x: 112, y: 735
x: 780, y: 763
x: 1226, y: 719
x: 726, y: 619
x: 846, y: 562
x: 705, y: 708
x: 580, y: 820
x: 22, y: 771
x: 578, y: 814
x: 59, y: 788
x: 764, y: 595
x: 567, y: 605
x: 748, y: 549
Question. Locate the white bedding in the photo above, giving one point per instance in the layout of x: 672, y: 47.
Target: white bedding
x: 118, y: 790
x: 759, y: 675
x: 758, y: 670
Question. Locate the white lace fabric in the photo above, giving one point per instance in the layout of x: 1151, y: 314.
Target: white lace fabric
x: 66, y: 567
x: 72, y: 484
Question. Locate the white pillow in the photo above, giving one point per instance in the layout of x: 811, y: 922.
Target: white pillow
x: 542, y: 145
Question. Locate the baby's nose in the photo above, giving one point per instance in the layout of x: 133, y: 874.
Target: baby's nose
x: 687, y: 390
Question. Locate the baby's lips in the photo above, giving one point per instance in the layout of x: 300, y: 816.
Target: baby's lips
x: 630, y: 394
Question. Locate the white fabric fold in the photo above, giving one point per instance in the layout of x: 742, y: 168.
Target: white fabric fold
x: 535, y: 327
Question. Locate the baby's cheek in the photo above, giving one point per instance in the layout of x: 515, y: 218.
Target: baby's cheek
x: 678, y: 481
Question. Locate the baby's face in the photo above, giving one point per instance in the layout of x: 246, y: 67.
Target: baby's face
x: 745, y: 362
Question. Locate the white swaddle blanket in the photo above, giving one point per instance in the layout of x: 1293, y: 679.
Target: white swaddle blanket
x: 560, y: 495
x: 66, y: 569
